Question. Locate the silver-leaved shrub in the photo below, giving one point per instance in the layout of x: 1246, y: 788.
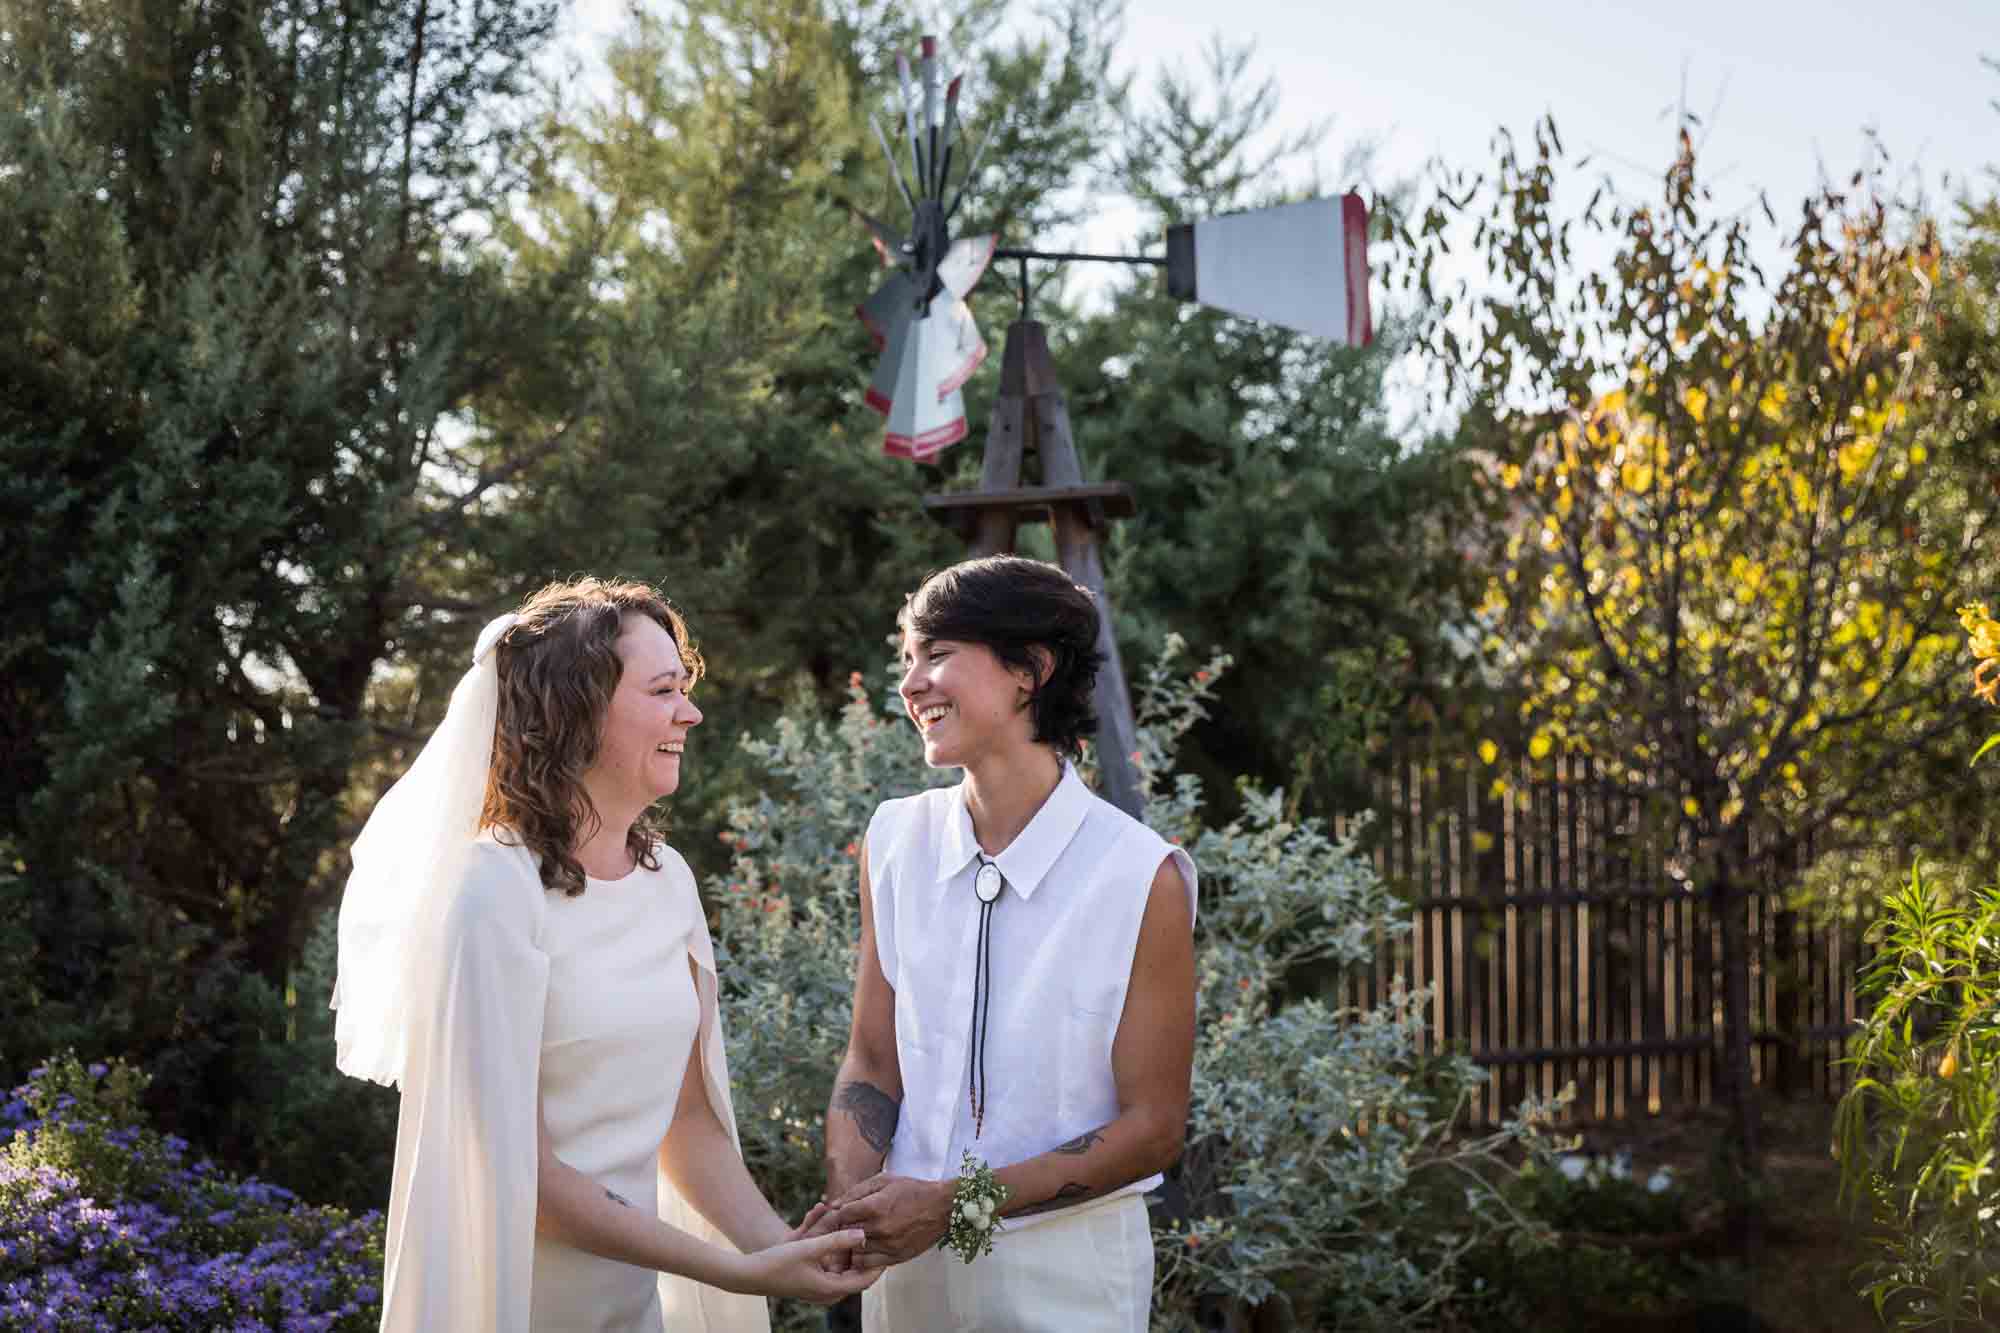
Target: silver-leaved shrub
x: 1322, y: 1171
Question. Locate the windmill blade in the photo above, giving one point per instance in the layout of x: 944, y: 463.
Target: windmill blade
x: 894, y: 339
x: 926, y: 411
x: 950, y: 132
x: 888, y: 153
x: 930, y: 82
x: 959, y: 340
x: 888, y: 240
x: 1303, y: 266
x: 971, y: 171
x: 965, y: 262
x: 910, y: 119
x: 895, y: 298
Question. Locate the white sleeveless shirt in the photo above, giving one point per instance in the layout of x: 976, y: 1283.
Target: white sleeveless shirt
x: 1064, y: 932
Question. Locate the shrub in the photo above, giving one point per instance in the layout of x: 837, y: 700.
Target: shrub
x: 1915, y: 1133
x: 1621, y: 1249
x: 1321, y: 1169
x: 106, y: 1224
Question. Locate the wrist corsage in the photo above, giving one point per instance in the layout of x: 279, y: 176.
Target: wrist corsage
x: 975, y: 1207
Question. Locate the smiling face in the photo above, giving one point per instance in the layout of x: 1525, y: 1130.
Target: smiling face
x: 966, y: 703
x: 646, y: 723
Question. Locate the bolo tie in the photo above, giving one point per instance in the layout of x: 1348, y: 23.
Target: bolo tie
x: 986, y: 887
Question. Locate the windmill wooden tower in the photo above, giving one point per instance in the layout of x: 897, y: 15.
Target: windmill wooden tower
x: 1302, y: 266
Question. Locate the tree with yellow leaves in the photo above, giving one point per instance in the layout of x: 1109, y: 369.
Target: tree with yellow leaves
x: 1734, y: 515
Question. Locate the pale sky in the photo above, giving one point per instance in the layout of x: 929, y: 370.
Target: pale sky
x: 1791, y: 83
x: 1786, y: 88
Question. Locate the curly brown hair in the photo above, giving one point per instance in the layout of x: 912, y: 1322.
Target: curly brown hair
x: 558, y: 667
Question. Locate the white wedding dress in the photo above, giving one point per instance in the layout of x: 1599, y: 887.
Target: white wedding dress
x: 589, y: 1005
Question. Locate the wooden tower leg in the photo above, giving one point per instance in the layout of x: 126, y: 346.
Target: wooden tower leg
x: 1006, y: 439
x: 1077, y: 526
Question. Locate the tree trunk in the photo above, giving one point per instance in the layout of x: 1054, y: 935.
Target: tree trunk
x: 1742, y: 1154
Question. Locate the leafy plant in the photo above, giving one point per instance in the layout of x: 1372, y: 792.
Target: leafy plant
x: 1321, y: 1172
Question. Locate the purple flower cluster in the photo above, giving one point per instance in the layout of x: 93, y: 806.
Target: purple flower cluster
x: 109, y: 1225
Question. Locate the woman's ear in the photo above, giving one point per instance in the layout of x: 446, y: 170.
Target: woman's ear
x: 1045, y: 664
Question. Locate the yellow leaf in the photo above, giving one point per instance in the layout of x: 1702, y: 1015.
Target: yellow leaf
x: 1688, y: 805
x: 1482, y: 841
x: 1695, y: 400
x: 1510, y: 476
x: 1488, y: 752
x: 1540, y: 746
x: 1918, y: 454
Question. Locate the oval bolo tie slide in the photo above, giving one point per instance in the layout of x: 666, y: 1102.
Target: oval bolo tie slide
x: 986, y: 884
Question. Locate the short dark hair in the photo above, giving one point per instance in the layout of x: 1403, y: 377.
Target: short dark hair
x: 1013, y: 606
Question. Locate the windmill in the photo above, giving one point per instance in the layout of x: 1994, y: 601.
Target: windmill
x: 1302, y: 266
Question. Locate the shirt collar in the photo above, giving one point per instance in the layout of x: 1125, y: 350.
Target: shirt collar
x: 1027, y: 859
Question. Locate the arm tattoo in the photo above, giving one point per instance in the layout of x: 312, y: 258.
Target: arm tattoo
x: 875, y: 1112
x: 1073, y: 1192
x: 616, y: 1197
x: 1081, y: 1144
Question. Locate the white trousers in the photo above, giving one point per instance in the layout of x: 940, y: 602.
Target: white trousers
x: 1087, y: 1271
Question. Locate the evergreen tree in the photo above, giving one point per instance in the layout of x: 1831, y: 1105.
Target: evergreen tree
x: 239, y: 316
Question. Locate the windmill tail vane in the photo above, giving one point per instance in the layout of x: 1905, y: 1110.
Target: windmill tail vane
x: 1302, y: 266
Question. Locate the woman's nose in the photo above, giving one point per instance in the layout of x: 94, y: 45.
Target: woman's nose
x: 690, y: 715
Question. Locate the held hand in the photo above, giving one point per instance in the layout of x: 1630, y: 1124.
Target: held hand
x: 902, y: 1217
x: 799, y: 1269
x: 818, y: 1221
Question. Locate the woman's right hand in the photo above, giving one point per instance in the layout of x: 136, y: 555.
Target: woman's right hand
x: 799, y: 1269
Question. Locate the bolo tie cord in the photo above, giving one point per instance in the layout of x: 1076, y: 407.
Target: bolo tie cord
x: 982, y: 993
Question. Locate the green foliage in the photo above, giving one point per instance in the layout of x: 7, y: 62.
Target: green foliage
x: 1916, y: 1132
x: 1320, y: 1168
x: 239, y: 317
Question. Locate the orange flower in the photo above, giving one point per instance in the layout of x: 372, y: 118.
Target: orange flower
x: 853, y: 849
x: 1201, y: 677
x: 726, y: 836
x: 854, y: 680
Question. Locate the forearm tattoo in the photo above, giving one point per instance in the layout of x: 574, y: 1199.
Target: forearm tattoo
x: 616, y: 1197
x: 1074, y: 1192
x: 875, y: 1112
x: 1081, y: 1144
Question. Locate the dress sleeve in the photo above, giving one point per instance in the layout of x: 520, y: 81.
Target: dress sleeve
x: 461, y: 1228
x: 687, y: 1304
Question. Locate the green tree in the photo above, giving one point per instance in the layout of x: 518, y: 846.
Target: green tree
x: 1737, y: 516
x: 239, y: 318
x: 1279, y: 513
x: 709, y: 397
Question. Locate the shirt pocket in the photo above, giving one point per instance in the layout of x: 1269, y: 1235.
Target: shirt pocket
x: 1084, y: 1086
